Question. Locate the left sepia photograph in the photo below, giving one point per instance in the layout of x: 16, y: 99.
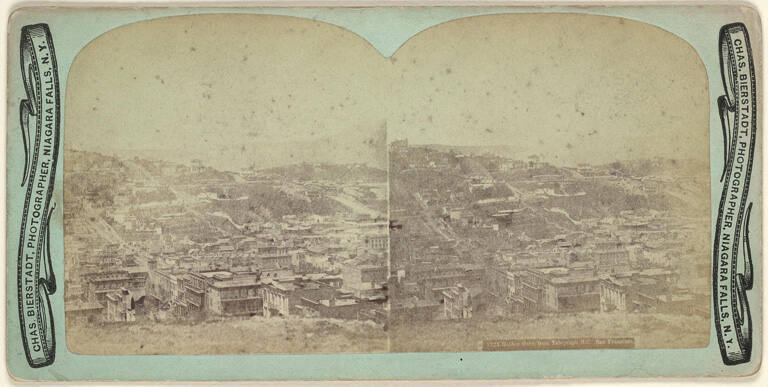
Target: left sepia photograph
x: 213, y: 203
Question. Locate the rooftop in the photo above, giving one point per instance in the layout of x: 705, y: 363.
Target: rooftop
x: 574, y: 279
x: 286, y: 286
x: 76, y: 306
x: 212, y: 274
x: 235, y: 283
x: 339, y: 302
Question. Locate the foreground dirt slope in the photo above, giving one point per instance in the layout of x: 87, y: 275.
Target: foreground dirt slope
x: 256, y: 335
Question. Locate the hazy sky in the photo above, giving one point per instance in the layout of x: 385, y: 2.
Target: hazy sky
x: 572, y: 88
x: 236, y: 90
x: 230, y: 90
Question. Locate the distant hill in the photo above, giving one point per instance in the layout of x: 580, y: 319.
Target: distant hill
x: 660, y: 167
x: 335, y: 172
x: 364, y: 146
x: 498, y: 150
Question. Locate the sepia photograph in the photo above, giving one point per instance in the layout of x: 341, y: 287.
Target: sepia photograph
x: 225, y: 190
x: 549, y: 186
x: 268, y: 184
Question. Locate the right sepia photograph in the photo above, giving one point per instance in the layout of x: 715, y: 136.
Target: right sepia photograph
x: 549, y: 187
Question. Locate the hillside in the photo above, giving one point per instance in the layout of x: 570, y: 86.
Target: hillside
x: 332, y: 172
x: 255, y: 335
x: 648, y: 330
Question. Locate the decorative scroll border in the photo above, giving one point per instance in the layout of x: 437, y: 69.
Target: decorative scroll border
x: 732, y: 274
x: 39, y: 117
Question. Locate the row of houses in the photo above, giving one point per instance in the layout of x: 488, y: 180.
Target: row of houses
x: 563, y: 289
x: 124, y: 295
